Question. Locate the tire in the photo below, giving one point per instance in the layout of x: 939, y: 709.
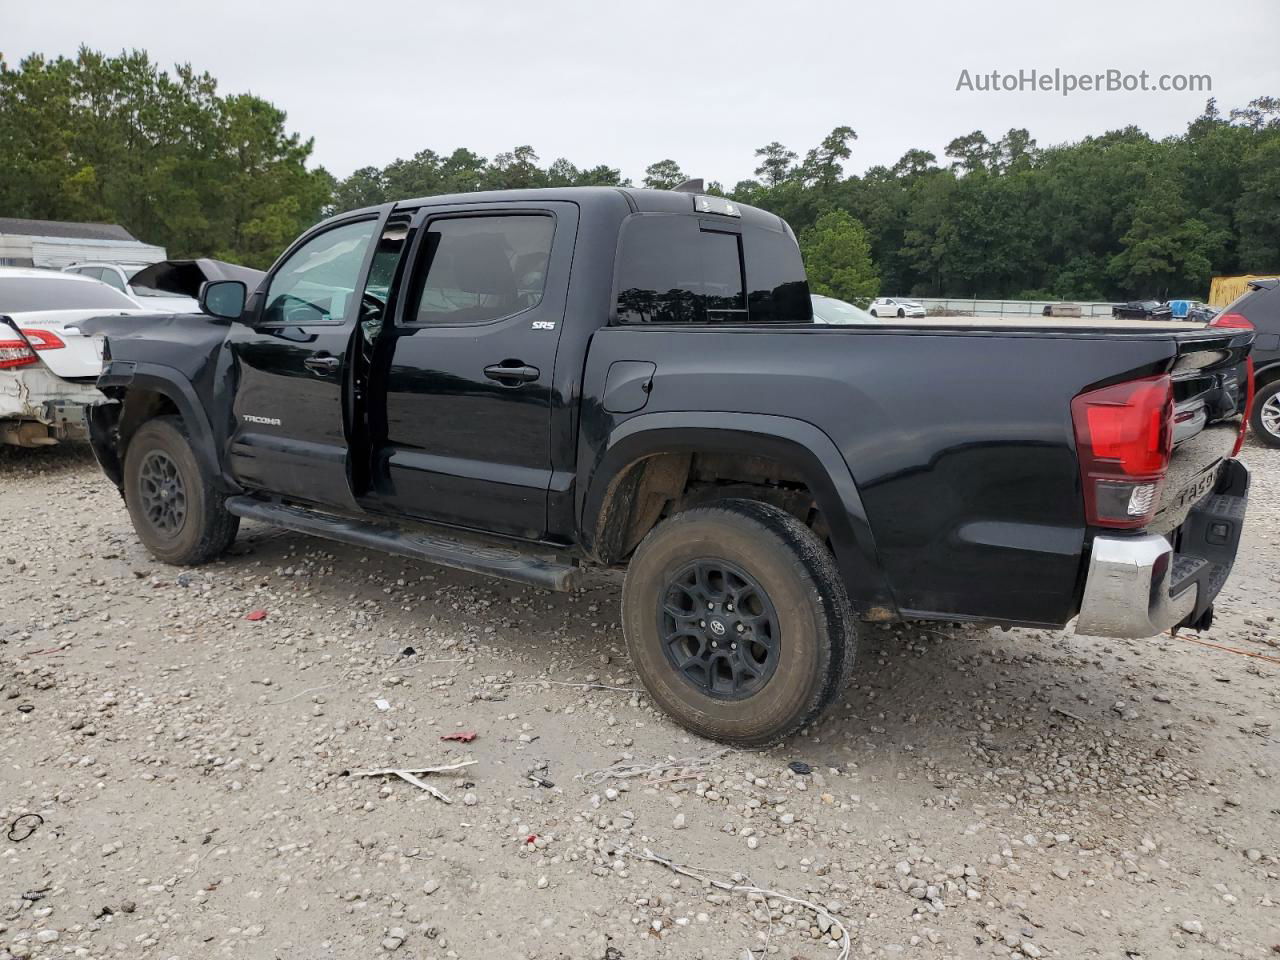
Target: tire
x: 793, y: 597
x: 874, y: 314
x: 178, y: 514
x: 1265, y: 424
x: 901, y: 313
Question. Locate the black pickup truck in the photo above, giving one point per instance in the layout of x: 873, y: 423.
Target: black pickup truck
x: 525, y: 383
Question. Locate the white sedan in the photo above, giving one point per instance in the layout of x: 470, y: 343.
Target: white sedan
x: 896, y: 307
x: 132, y: 280
x: 48, y: 370
x: 839, y: 313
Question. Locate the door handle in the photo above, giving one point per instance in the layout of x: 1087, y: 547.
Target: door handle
x: 513, y: 371
x: 322, y: 364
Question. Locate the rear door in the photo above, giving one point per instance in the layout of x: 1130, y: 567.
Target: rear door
x: 291, y: 359
x: 461, y: 390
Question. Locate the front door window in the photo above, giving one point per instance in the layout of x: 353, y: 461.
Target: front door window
x: 316, y: 284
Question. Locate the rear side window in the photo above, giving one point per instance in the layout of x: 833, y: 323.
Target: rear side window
x: 676, y: 269
x: 483, y: 268
x: 112, y: 278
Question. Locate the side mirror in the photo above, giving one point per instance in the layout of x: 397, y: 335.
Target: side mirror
x: 223, y: 298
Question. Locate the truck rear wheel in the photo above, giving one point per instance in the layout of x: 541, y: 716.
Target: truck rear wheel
x: 178, y: 514
x: 737, y: 621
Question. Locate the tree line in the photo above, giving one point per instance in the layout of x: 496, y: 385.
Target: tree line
x: 1112, y: 216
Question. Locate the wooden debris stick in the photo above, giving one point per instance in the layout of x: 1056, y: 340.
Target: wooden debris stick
x: 413, y: 775
x: 845, y: 942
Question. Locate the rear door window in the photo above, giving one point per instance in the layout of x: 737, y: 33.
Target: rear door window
x: 482, y: 268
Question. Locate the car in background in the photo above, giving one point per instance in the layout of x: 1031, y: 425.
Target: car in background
x: 1134, y: 309
x: 1259, y: 308
x: 125, y: 278
x: 895, y: 307
x: 48, y: 369
x: 835, y: 312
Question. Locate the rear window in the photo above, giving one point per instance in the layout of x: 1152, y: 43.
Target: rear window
x: 32, y: 295
x: 686, y: 270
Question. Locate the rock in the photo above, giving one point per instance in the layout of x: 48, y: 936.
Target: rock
x: 678, y: 822
x: 1062, y: 873
x: 47, y: 936
x: 1192, y: 926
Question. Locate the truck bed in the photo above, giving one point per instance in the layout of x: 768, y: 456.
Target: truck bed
x: 958, y: 435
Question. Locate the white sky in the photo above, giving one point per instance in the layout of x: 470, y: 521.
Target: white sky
x: 702, y: 81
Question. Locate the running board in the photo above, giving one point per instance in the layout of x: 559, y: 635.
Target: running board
x: 495, y: 560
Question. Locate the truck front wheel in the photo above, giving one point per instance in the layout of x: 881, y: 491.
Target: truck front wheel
x: 178, y: 514
x: 737, y: 621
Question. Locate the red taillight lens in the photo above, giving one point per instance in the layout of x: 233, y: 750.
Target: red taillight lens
x: 1235, y: 321
x: 1248, y: 405
x: 43, y: 339
x: 1124, y: 436
x: 15, y: 353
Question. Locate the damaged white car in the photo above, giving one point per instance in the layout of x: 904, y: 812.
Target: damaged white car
x: 48, y: 370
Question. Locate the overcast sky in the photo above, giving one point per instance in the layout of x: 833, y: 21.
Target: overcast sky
x: 702, y: 81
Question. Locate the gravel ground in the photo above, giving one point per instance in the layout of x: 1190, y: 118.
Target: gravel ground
x: 974, y: 793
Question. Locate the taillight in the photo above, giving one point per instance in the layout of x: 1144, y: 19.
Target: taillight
x: 1248, y: 405
x: 1124, y: 437
x: 15, y: 353
x: 43, y: 339
x: 1236, y: 321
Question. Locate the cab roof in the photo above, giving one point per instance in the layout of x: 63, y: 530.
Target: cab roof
x: 637, y: 199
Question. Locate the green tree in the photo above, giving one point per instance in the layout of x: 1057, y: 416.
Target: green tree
x: 116, y: 138
x: 663, y: 175
x: 777, y: 163
x: 837, y: 258
x: 824, y: 164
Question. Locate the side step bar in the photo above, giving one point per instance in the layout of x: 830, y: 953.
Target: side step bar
x: 495, y: 560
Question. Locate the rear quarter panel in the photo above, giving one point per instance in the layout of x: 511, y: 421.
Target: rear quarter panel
x: 960, y: 442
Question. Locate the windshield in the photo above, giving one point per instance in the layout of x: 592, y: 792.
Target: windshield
x: 34, y: 294
x: 830, y: 310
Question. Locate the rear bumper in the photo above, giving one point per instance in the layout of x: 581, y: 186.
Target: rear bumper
x: 37, y: 407
x: 1140, y: 586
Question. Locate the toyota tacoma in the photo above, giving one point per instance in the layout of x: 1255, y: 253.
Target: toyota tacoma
x: 527, y: 383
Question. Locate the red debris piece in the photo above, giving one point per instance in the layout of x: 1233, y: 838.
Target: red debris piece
x: 256, y: 615
x: 531, y: 838
x: 463, y: 736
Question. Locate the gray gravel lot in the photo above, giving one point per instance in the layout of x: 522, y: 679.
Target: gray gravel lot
x: 975, y: 793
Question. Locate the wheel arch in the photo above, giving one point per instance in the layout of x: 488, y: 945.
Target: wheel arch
x: 144, y: 391
x: 618, y: 506
x: 1267, y: 374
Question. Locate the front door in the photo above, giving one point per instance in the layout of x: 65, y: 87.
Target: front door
x: 291, y: 357
x: 461, y: 391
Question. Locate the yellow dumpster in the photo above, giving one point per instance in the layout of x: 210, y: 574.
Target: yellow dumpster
x: 1222, y: 290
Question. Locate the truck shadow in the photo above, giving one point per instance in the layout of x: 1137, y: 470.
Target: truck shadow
x: 926, y: 700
